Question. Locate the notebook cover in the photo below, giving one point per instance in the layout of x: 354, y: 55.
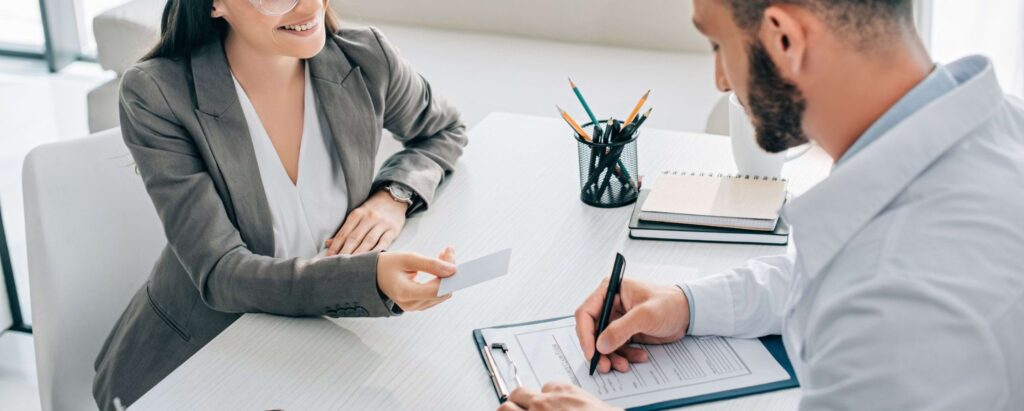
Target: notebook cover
x: 751, y: 236
x: 717, y: 196
x: 772, y: 342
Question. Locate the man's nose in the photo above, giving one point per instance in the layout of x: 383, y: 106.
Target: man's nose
x: 722, y: 82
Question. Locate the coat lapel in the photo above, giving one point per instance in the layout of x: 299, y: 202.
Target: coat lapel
x: 227, y: 135
x: 345, y: 106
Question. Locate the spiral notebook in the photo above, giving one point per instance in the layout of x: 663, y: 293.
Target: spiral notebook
x: 715, y: 200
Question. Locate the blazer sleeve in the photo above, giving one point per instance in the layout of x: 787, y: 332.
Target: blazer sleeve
x: 229, y: 276
x: 429, y: 127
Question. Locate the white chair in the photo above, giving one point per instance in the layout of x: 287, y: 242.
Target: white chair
x: 93, y: 236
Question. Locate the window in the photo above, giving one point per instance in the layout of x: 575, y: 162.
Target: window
x: 994, y: 28
x: 21, y: 26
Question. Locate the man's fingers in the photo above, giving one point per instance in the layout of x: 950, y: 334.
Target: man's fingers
x: 585, y: 331
x: 439, y: 268
x: 646, y: 339
x: 633, y: 354
x: 523, y: 397
x: 619, y: 363
x: 587, y: 315
x: 620, y: 331
x: 604, y: 365
x: 509, y: 406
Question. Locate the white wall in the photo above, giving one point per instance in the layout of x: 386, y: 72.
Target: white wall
x: 642, y: 24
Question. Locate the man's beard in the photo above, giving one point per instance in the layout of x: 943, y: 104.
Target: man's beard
x: 776, y: 105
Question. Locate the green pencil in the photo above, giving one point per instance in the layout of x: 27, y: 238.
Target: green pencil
x: 593, y: 119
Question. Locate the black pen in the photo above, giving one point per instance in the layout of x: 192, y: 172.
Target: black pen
x: 614, y: 284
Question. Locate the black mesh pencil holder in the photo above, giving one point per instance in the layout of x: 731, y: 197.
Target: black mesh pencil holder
x: 608, y: 170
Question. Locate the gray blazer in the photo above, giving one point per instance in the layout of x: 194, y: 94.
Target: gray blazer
x: 185, y: 129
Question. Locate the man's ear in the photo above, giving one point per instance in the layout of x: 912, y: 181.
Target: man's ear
x: 784, y: 35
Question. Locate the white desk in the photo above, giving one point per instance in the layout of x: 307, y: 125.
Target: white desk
x: 516, y: 186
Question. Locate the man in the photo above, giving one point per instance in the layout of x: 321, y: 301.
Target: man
x: 906, y: 290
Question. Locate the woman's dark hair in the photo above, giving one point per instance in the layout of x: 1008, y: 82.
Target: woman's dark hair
x: 186, y: 26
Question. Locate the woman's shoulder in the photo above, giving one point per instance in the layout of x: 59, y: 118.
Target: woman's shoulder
x: 158, y: 73
x: 365, y: 45
x: 161, y: 69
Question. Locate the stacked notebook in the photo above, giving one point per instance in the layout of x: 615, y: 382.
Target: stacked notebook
x: 717, y: 208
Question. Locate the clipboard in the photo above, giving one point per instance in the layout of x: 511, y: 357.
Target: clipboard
x: 772, y: 342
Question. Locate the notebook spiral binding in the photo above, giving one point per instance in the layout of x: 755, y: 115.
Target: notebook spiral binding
x: 724, y: 175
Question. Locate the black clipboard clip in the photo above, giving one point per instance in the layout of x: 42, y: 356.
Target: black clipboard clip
x: 492, y: 368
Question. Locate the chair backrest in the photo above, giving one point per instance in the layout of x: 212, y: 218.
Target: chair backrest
x: 93, y: 236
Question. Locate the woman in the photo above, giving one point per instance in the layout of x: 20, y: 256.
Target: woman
x: 255, y: 124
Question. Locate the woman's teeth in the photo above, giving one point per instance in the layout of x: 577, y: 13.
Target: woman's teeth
x: 301, y: 27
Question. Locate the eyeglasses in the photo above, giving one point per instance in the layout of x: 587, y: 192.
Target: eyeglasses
x: 274, y: 7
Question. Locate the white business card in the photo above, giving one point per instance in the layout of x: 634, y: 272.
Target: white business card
x: 477, y: 271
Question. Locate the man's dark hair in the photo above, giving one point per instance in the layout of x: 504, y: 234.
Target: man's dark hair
x: 863, y: 22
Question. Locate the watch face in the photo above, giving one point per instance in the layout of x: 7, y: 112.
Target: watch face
x: 400, y: 192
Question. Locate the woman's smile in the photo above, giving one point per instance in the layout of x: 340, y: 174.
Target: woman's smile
x: 303, y: 28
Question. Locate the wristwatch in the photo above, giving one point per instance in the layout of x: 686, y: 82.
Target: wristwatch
x: 400, y: 193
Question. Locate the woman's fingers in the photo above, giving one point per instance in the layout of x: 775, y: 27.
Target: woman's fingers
x: 350, y: 224
x: 448, y: 254
x: 355, y: 237
x: 431, y: 303
x: 417, y: 297
x: 385, y: 241
x: 371, y: 239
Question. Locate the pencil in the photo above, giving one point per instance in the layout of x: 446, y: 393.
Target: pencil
x: 586, y: 107
x: 636, y: 110
x: 644, y: 118
x: 579, y: 130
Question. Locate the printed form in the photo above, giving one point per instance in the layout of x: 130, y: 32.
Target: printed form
x: 550, y: 351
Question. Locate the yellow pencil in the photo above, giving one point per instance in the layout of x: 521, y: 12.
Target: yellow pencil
x: 579, y: 130
x: 636, y: 110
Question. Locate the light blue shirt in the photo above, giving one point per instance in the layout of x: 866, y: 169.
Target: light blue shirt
x: 905, y: 280
x: 938, y: 83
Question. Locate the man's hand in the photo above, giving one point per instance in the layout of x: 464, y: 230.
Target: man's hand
x: 553, y: 396
x: 372, y: 226
x: 643, y: 313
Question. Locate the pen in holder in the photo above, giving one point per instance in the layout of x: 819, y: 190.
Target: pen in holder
x: 608, y: 165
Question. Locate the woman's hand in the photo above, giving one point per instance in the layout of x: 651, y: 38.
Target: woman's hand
x: 396, y: 278
x: 370, y: 227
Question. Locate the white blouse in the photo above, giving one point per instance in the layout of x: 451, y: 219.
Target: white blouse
x: 311, y: 210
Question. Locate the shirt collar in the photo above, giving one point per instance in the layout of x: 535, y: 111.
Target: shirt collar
x: 935, y: 85
x: 827, y: 216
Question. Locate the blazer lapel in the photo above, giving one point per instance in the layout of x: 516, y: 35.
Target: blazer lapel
x: 346, y: 108
x: 227, y: 135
